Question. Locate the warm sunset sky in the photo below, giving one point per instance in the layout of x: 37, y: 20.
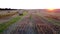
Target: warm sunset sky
x: 29, y: 4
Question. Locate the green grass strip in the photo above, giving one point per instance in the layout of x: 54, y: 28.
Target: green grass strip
x: 53, y: 21
x: 5, y: 25
x: 12, y: 21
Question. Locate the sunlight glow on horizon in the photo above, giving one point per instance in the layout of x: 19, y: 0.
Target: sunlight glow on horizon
x: 51, y: 9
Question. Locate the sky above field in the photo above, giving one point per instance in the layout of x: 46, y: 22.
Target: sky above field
x: 29, y: 4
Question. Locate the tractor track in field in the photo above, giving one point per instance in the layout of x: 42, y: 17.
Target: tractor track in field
x: 35, y: 25
x: 45, y: 27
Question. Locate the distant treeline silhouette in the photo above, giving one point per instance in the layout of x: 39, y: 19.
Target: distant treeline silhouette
x: 7, y: 9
